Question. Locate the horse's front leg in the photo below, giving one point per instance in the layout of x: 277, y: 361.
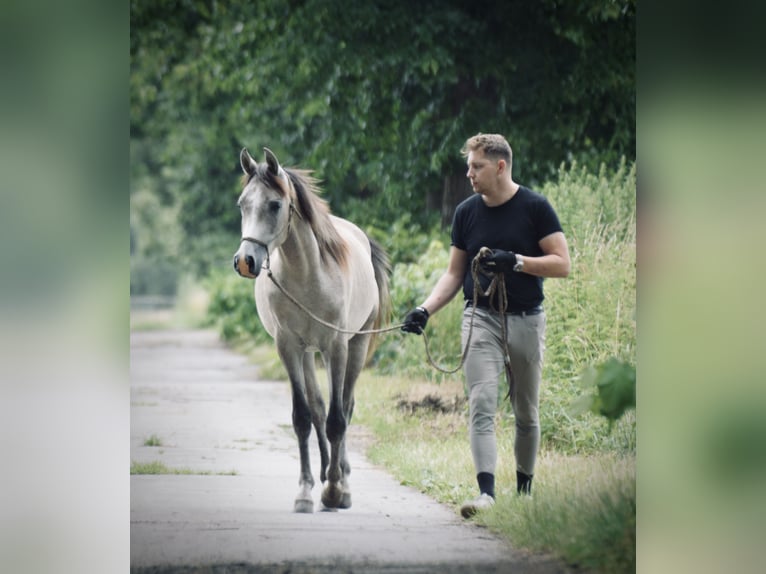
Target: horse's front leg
x: 318, y: 415
x: 293, y: 360
x: 332, y: 496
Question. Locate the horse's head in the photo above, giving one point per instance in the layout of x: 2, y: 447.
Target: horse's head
x: 265, y: 203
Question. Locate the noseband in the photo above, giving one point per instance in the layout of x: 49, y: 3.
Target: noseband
x: 265, y: 245
x: 253, y: 240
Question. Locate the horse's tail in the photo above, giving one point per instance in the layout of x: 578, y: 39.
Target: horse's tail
x: 382, y: 267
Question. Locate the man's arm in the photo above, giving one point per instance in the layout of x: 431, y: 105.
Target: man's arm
x: 448, y: 284
x: 555, y: 261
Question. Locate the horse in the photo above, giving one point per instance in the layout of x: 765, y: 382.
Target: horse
x: 329, y: 266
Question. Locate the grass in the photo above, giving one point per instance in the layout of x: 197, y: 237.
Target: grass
x: 158, y: 467
x: 153, y: 440
x: 583, y: 507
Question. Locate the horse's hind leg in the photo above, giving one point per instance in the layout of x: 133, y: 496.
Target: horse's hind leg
x: 344, y: 368
x: 316, y: 404
x: 293, y: 362
x: 335, y: 360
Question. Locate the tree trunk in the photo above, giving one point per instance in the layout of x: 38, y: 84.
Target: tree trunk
x: 456, y: 189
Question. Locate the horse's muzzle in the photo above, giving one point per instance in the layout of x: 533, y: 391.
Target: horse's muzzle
x: 245, y: 266
x: 249, y: 259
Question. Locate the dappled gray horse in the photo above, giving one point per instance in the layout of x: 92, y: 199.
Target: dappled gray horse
x: 330, y: 267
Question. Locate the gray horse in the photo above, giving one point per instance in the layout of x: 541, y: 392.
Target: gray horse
x: 330, y: 267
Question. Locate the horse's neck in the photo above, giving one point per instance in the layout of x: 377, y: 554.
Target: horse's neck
x: 300, y: 250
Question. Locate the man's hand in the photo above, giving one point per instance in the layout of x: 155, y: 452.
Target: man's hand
x: 415, y: 321
x: 499, y: 262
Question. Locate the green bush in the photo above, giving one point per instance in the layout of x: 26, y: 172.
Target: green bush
x: 403, y: 240
x: 231, y: 307
x: 410, y: 285
x: 212, y: 253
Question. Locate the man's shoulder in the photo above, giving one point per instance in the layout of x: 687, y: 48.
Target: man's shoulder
x: 468, y: 203
x: 530, y: 194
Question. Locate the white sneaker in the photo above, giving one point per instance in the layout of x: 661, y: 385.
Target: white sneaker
x: 471, y: 507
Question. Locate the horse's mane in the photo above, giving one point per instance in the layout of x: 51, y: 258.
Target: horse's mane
x: 316, y: 212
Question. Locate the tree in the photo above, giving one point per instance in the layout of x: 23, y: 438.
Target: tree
x: 377, y: 97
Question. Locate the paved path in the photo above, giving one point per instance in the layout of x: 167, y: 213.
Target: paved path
x: 212, y: 414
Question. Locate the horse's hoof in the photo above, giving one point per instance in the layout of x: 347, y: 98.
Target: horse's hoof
x: 332, y: 496
x: 304, y: 506
x: 345, y: 501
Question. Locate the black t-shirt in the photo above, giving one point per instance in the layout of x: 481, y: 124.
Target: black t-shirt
x: 517, y: 225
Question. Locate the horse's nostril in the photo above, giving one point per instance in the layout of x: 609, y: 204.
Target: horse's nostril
x: 250, y: 263
x: 236, y: 260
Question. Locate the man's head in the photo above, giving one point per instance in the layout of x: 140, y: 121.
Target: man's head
x: 494, y: 146
x: 489, y: 160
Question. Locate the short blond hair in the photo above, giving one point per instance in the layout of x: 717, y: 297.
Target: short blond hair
x: 493, y: 145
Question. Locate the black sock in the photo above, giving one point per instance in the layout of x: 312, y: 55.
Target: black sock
x: 486, y: 483
x: 523, y: 483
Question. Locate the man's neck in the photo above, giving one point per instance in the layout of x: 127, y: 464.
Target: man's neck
x: 501, y: 194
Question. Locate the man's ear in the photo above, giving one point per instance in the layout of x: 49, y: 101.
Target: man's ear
x: 502, y: 165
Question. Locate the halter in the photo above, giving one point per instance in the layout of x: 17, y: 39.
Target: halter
x: 267, y: 264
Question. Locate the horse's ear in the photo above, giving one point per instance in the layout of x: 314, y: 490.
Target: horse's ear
x: 248, y: 163
x: 272, y: 161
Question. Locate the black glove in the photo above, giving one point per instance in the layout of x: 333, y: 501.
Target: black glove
x: 415, y: 321
x: 499, y: 262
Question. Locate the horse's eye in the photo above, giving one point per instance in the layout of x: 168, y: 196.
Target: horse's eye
x: 275, y: 206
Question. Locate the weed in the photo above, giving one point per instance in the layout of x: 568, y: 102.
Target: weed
x: 153, y: 440
x: 158, y: 467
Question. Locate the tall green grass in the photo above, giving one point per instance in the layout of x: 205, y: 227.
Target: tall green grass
x: 582, y: 509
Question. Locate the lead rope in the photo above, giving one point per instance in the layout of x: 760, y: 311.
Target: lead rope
x: 497, y: 285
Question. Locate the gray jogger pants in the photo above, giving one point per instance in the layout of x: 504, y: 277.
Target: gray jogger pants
x: 484, y: 366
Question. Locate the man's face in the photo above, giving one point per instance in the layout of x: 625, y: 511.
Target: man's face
x: 482, y: 172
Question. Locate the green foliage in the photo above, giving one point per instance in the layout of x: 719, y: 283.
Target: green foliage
x: 615, y: 389
x: 403, y: 239
x: 231, y: 308
x: 211, y: 253
x: 601, y: 198
x: 153, y: 440
x: 591, y: 315
x: 381, y: 116
x: 410, y: 285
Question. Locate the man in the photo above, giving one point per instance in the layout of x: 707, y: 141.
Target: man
x: 527, y: 244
